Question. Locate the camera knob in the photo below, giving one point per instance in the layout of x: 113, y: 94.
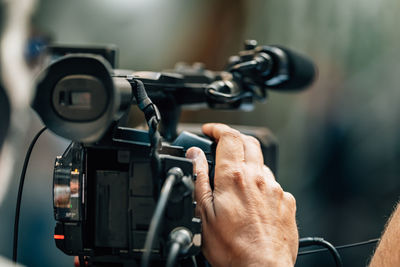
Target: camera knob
x: 250, y: 44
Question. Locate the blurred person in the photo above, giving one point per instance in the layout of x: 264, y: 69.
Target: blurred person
x: 15, y: 89
x: 16, y: 78
x: 5, y: 114
x: 388, y: 251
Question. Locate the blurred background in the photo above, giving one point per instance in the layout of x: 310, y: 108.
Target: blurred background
x: 339, y: 140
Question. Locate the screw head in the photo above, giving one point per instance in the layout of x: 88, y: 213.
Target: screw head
x: 250, y: 44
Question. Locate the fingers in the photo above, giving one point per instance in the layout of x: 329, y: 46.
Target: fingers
x: 236, y: 155
x: 216, y: 130
x: 230, y: 148
x: 234, y: 146
x: 203, y: 192
x: 252, y: 151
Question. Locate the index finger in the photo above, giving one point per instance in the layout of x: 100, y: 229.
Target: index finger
x: 216, y: 130
x: 230, y: 148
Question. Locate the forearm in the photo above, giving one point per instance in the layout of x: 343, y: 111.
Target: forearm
x: 388, y: 251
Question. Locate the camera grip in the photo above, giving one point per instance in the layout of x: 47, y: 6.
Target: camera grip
x: 187, y: 140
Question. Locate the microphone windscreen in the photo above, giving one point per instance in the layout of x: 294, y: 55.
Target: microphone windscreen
x: 302, y: 72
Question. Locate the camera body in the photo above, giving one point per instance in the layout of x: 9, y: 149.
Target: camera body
x: 104, y: 196
x: 110, y: 180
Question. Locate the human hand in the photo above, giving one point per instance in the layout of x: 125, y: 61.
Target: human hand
x: 247, y: 220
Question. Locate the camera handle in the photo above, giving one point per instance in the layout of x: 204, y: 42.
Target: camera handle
x: 171, y: 113
x: 153, y: 118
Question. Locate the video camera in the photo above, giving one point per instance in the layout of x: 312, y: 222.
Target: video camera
x: 121, y: 194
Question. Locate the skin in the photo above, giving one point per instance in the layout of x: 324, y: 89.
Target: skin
x: 388, y: 251
x: 247, y: 220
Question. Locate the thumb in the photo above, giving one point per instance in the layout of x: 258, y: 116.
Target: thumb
x: 203, y: 192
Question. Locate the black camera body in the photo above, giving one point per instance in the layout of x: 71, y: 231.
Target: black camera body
x: 104, y: 196
x: 109, y: 183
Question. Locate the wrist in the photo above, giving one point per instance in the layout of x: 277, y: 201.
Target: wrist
x: 281, y: 262
x: 280, y: 255
x: 272, y: 262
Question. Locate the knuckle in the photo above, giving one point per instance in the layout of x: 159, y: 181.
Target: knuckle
x: 258, y: 176
x: 260, y: 182
x: 237, y: 176
x: 231, y: 172
x: 252, y: 140
x: 276, y: 189
x: 290, y: 199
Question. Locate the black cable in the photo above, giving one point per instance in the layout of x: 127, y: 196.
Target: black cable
x: 157, y: 218
x: 173, y: 254
x: 19, y: 196
x: 317, y: 241
x: 194, y: 261
x: 371, y: 241
x: 81, y: 259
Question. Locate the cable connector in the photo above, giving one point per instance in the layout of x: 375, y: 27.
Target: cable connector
x: 183, y: 237
x: 180, y: 242
x: 177, y: 173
